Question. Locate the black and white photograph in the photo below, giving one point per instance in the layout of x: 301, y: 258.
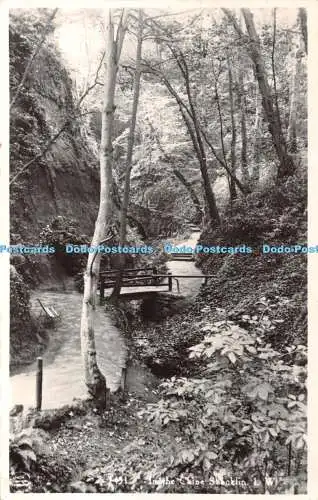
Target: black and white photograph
x: 158, y: 249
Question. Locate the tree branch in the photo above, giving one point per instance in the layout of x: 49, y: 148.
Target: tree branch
x: 96, y: 82
x: 64, y: 126
x: 33, y: 56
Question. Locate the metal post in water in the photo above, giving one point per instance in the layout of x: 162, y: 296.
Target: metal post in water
x: 39, y: 383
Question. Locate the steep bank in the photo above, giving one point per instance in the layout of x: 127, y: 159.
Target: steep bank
x: 61, y: 181
x: 183, y: 436
x: 64, y: 180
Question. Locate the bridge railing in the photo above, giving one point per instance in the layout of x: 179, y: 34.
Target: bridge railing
x: 109, y: 272
x: 108, y: 279
x: 146, y: 276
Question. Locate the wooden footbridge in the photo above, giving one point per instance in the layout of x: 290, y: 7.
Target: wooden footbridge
x: 141, y: 282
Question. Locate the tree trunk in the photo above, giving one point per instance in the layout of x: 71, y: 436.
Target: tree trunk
x: 256, y: 142
x: 208, y: 191
x: 192, y: 194
x: 95, y: 381
x: 302, y: 16
x: 286, y: 165
x: 130, y: 149
x: 293, y: 92
x: 190, y: 121
x: 242, y: 106
x: 232, y: 187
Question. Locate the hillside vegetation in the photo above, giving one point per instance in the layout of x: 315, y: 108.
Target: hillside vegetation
x: 196, y: 118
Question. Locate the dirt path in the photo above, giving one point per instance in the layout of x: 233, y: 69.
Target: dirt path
x: 188, y: 287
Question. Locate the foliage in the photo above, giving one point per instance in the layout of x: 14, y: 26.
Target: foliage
x: 26, y: 338
x: 33, y: 465
x: 246, y: 415
x: 272, y: 215
x: 60, y: 232
x: 26, y: 443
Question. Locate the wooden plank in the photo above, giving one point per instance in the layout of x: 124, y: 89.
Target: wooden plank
x: 49, y: 312
x: 55, y: 312
x: 135, y: 270
x: 202, y: 276
x: 130, y: 290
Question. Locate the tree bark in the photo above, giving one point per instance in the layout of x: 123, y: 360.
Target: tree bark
x: 189, y: 121
x: 302, y: 16
x: 169, y: 159
x: 286, y: 165
x: 192, y: 194
x: 232, y: 187
x: 208, y: 191
x: 94, y: 379
x: 130, y: 149
x: 242, y: 105
x: 293, y: 92
x: 256, y: 140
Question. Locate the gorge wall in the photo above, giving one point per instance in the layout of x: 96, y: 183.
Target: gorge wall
x: 64, y: 180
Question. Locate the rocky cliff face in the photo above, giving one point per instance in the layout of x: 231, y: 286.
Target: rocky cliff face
x: 46, y: 182
x: 64, y: 180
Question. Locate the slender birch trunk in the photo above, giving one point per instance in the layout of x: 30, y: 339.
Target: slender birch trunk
x: 232, y: 186
x: 94, y: 379
x: 129, y: 158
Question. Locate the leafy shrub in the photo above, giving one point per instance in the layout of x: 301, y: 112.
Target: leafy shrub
x: 276, y: 215
x: 60, y: 232
x: 26, y: 443
x: 246, y: 414
x: 22, y: 450
x: 25, y: 331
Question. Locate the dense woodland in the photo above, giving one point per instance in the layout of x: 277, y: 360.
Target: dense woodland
x: 171, y: 119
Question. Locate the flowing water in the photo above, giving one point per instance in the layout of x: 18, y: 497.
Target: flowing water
x: 62, y: 362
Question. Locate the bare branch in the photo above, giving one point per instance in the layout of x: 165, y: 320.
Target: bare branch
x: 41, y: 154
x: 33, y: 56
x: 64, y: 126
x: 121, y: 30
x: 96, y: 82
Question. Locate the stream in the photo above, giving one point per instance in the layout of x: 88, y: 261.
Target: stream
x: 62, y: 361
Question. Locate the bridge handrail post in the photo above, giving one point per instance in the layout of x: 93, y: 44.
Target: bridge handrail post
x: 154, y: 272
x: 169, y: 282
x: 178, y: 284
x: 102, y: 289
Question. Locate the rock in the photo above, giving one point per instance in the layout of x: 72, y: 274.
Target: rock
x: 81, y: 487
x: 16, y: 410
x: 77, y: 487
